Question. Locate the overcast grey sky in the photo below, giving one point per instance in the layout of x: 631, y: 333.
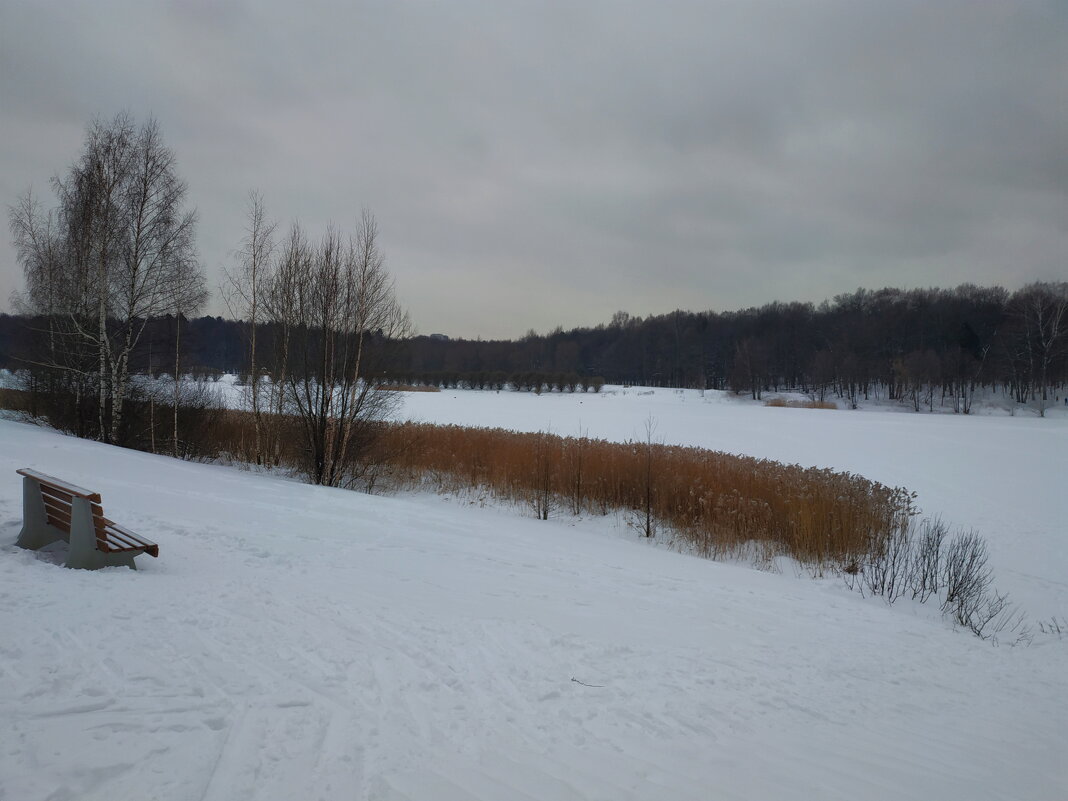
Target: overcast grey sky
x: 534, y: 164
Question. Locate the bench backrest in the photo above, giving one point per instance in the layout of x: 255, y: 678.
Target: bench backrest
x: 58, y: 496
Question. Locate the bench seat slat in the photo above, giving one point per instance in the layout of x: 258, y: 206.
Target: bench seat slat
x: 109, y: 546
x: 117, y: 540
x: 117, y: 533
x: 139, y: 545
x: 58, y: 497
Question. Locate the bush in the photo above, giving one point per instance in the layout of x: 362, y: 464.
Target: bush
x: 914, y: 559
x: 149, y: 422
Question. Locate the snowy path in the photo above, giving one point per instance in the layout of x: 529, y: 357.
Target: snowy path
x: 298, y: 642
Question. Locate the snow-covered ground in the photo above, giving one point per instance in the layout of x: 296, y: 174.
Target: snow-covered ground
x: 1006, y: 477
x: 301, y: 642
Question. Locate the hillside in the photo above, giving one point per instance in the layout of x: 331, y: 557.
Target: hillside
x: 300, y: 642
x: 1002, y: 476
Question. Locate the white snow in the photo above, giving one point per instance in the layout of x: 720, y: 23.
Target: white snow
x: 294, y: 642
x: 1006, y: 477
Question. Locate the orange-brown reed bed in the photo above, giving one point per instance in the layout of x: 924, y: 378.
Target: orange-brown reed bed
x: 716, y: 502
x: 800, y: 404
x: 719, y: 504
x: 14, y: 399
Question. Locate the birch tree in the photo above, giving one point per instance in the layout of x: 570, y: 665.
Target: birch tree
x: 243, y: 294
x: 188, y: 292
x: 107, y: 259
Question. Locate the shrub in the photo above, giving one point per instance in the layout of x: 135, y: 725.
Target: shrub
x: 914, y: 559
x: 966, y: 578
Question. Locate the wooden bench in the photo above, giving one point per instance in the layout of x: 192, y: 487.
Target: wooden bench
x: 56, y: 510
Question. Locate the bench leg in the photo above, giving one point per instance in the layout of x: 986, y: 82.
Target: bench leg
x: 36, y: 533
x: 83, y: 551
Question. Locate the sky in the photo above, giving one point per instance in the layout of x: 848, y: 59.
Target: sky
x: 543, y: 164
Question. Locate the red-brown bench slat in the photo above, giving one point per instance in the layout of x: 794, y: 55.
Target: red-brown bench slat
x: 52, y: 482
x: 57, y: 496
x: 63, y: 524
x: 115, y: 530
x: 60, y: 514
x: 116, y: 540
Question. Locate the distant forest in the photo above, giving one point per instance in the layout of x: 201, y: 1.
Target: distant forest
x: 918, y: 345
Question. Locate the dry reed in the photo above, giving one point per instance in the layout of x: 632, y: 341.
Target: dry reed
x: 716, y: 503
x: 15, y: 400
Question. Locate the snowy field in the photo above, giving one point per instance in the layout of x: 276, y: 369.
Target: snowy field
x: 1006, y: 477
x: 294, y: 642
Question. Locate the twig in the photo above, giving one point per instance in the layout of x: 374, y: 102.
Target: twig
x: 584, y: 684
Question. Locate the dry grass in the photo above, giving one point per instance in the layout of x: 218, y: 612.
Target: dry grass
x: 233, y: 436
x: 800, y: 404
x: 15, y: 400
x: 719, y: 504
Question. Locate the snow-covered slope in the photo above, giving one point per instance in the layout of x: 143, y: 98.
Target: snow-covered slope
x: 294, y: 642
x: 1006, y: 477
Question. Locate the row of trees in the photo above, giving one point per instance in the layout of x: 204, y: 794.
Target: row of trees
x: 912, y: 345
x: 923, y: 347
x: 497, y: 380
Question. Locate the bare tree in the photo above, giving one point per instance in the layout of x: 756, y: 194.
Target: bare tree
x: 40, y: 250
x: 158, y: 265
x: 647, y: 451
x: 336, y: 314
x: 107, y: 260
x: 189, y: 292
x: 1040, y: 312
x: 243, y: 295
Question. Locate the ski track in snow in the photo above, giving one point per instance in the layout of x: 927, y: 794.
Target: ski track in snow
x: 300, y: 642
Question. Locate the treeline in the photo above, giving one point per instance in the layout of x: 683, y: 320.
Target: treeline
x: 918, y: 346
x: 922, y: 347
x: 497, y: 380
